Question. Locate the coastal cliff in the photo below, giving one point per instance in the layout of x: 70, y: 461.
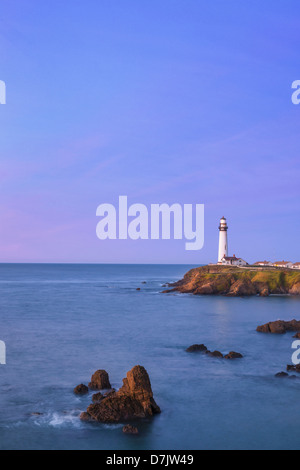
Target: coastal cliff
x: 238, y: 282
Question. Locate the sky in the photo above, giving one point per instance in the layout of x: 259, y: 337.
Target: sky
x: 164, y: 101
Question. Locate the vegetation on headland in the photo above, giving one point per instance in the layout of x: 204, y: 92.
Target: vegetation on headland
x: 236, y: 281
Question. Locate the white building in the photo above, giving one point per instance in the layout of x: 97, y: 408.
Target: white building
x: 233, y: 261
x: 223, y: 240
x: 283, y: 264
x: 296, y: 266
x: 263, y: 263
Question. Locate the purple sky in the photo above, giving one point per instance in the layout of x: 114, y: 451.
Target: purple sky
x: 183, y: 101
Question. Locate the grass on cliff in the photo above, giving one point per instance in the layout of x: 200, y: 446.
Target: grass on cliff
x: 222, y: 275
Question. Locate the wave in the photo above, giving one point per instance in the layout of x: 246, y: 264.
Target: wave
x: 69, y: 419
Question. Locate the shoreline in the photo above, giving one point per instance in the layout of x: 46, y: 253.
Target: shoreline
x: 232, y: 281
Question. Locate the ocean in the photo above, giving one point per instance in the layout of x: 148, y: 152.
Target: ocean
x: 61, y: 323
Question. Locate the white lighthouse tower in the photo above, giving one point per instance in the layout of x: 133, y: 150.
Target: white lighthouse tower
x: 223, y: 239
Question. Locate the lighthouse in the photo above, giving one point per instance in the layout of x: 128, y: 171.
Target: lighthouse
x: 223, y: 239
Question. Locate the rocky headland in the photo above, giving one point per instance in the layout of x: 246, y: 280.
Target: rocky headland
x: 238, y: 282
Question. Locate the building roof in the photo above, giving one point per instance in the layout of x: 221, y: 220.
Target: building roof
x: 263, y: 262
x: 296, y: 264
x: 283, y: 262
x: 231, y: 258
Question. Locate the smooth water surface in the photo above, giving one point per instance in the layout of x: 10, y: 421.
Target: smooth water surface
x: 60, y: 323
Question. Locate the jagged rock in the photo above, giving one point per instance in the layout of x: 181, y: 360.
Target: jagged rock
x: 133, y: 400
x: 109, y: 392
x: 86, y: 417
x: 100, y: 381
x: 130, y: 430
x: 97, y: 397
x: 243, y: 288
x: 138, y: 289
x: 265, y: 292
x: 206, y: 289
x: 295, y: 290
x: 234, y: 355
x: 282, y: 375
x: 81, y: 390
x: 297, y: 335
x: 196, y: 348
x: 215, y: 354
x: 279, y: 327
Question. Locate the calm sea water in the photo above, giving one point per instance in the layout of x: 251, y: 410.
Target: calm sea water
x: 62, y: 322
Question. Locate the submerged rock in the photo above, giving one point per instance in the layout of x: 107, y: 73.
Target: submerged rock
x: 217, y: 354
x: 234, y: 355
x: 293, y: 368
x: 81, y: 390
x: 202, y: 348
x: 100, y: 381
x: 196, y: 348
x: 279, y: 327
x: 134, y: 400
x: 282, y: 375
x: 130, y: 430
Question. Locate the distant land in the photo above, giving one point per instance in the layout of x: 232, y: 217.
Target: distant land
x: 238, y: 281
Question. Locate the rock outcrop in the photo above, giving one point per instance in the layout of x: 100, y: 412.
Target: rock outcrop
x: 295, y: 289
x: 109, y: 392
x: 242, y: 288
x: 134, y: 400
x: 233, y: 355
x: 97, y: 397
x: 293, y: 368
x: 282, y: 375
x: 81, y: 390
x: 196, y: 348
x: 279, y: 327
x: 237, y: 282
x: 100, y: 381
x: 216, y: 354
x: 86, y: 417
x: 201, y: 348
x: 130, y: 430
